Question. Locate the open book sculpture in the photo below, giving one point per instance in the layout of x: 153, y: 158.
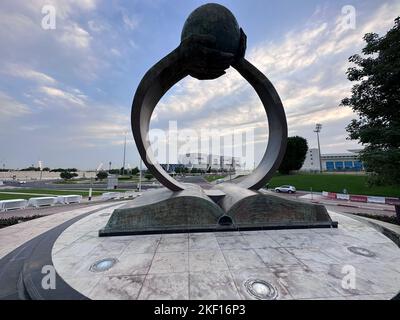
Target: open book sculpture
x: 211, y: 42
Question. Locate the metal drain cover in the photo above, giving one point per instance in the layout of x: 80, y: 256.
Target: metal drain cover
x: 103, y: 265
x: 261, y: 289
x: 361, y: 251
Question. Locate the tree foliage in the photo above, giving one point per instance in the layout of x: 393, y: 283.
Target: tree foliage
x: 135, y: 171
x: 101, y: 175
x: 67, y: 175
x: 295, y: 154
x: 376, y: 101
x: 62, y: 170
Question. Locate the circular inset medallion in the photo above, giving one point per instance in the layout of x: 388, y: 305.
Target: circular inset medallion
x: 261, y: 289
x: 103, y: 265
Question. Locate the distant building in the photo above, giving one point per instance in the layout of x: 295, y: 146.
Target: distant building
x: 311, y: 163
x: 214, y: 161
x: 348, y: 161
x: 228, y: 163
x: 202, y: 161
x: 194, y: 160
x: 172, y: 167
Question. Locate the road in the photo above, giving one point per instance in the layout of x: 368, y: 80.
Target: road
x: 340, y: 205
x: 334, y: 205
x: 199, y: 180
x: 50, y: 185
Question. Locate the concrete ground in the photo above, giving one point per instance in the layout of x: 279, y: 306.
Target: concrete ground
x: 295, y: 264
x: 298, y: 264
x: 44, y: 211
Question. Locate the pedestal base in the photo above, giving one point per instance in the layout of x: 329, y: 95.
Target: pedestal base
x: 192, y: 210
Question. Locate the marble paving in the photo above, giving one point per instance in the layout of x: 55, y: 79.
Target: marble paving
x: 299, y: 264
x: 16, y: 235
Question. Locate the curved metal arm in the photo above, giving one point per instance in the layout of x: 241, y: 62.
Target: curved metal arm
x: 169, y: 71
x: 277, y: 125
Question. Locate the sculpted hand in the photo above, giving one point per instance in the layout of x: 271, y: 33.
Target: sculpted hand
x: 203, y: 61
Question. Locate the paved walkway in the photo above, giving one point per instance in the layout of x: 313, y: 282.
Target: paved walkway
x: 14, y: 236
x: 295, y: 264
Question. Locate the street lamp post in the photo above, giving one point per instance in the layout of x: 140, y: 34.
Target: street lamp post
x: 41, y: 169
x: 90, y: 189
x: 140, y: 176
x: 91, y: 181
x: 123, y: 164
x: 317, y: 130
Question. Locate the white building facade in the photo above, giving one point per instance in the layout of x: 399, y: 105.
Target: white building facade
x: 208, y: 161
x: 331, y: 162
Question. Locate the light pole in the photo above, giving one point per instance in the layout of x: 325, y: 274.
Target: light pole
x: 123, y: 164
x: 140, y: 176
x: 41, y: 169
x: 91, y: 181
x: 317, y: 130
x: 90, y: 189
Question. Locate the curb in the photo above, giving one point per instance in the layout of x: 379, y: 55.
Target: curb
x: 353, y: 206
x: 361, y: 198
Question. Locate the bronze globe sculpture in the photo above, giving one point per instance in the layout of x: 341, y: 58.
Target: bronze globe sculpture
x: 211, y: 42
x: 217, y: 21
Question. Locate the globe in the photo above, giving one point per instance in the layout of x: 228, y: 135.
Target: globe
x: 215, y: 20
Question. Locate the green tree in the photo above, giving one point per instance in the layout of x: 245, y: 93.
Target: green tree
x: 148, y: 176
x: 67, y: 175
x: 101, y: 175
x: 30, y: 169
x: 135, y: 171
x: 194, y: 170
x: 376, y: 101
x: 295, y: 154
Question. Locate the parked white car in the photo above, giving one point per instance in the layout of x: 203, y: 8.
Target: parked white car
x: 286, y: 189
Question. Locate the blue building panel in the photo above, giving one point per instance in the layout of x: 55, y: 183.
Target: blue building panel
x: 339, y: 165
x: 358, y: 165
x: 330, y: 166
x: 348, y: 164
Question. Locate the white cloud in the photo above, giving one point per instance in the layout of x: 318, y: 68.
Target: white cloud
x: 115, y: 52
x: 130, y: 22
x: 64, y: 8
x: 97, y: 26
x: 307, y: 68
x: 76, y: 36
x: 67, y: 99
x: 9, y: 107
x: 24, y: 72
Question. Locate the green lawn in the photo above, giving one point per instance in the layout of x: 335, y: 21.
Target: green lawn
x: 212, y: 178
x: 354, y: 184
x: 8, y: 194
x: 30, y: 193
x: 4, y: 196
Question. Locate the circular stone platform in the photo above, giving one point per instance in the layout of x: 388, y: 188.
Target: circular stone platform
x: 352, y: 262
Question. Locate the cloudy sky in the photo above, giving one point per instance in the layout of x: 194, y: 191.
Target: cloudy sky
x: 66, y: 93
